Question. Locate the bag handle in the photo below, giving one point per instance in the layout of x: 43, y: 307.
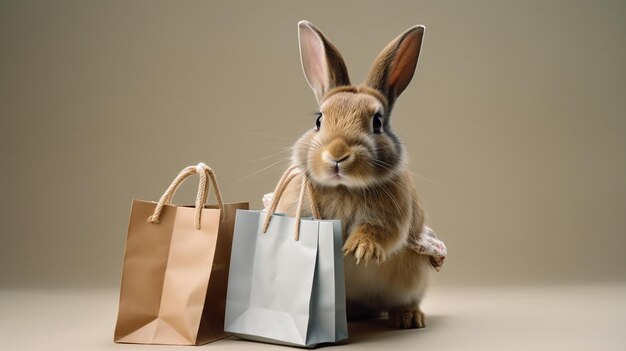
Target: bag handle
x: 205, y: 172
x: 287, y: 177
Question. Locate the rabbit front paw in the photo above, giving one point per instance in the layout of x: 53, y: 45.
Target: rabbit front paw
x: 363, y: 248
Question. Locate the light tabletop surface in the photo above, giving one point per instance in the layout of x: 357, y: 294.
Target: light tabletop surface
x: 485, y: 318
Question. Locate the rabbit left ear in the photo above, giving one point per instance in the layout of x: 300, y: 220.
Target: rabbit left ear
x: 393, y: 69
x: 322, y: 63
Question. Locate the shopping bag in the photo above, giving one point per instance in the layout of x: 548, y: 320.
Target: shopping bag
x: 175, y: 268
x: 286, y: 281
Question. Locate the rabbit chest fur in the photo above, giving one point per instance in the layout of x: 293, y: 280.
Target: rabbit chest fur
x: 401, y: 278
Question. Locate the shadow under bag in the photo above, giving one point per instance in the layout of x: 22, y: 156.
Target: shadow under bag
x: 287, y: 287
x: 175, y: 268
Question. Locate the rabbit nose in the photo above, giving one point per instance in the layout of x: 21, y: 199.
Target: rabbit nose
x: 341, y: 159
x: 337, y: 151
x: 334, y: 160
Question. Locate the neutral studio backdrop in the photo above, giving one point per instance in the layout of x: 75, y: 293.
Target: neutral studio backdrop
x: 515, y: 123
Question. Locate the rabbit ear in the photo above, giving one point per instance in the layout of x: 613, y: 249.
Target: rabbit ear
x: 322, y: 63
x: 393, y: 69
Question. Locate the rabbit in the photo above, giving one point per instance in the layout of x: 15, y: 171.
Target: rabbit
x: 358, y: 169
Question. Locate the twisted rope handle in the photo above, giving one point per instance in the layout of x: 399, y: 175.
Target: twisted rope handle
x: 278, y: 193
x: 205, y: 172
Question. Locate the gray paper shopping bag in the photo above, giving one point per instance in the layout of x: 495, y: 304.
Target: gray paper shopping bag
x: 285, y: 288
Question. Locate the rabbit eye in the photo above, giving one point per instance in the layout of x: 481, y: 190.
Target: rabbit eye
x: 318, y: 122
x: 377, y: 123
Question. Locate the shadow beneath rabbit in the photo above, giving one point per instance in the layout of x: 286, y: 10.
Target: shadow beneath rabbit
x: 380, y: 329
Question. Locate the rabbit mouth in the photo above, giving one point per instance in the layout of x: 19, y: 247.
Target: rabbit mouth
x: 335, y: 168
x: 337, y: 174
x: 340, y: 176
x: 336, y: 179
x: 343, y: 168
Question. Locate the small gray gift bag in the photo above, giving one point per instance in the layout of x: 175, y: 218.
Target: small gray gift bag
x: 286, y: 280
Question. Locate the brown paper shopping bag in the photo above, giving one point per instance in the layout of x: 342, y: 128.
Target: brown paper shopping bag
x: 175, y: 269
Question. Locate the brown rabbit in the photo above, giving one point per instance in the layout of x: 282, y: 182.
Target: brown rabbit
x: 357, y: 166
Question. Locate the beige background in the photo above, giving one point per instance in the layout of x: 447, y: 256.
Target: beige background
x: 515, y: 123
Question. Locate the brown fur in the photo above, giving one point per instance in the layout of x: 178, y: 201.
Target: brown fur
x: 360, y: 177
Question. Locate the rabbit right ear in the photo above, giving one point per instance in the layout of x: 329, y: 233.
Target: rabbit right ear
x: 394, y: 67
x: 322, y: 63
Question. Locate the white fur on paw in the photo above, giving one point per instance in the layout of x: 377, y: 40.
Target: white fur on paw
x: 267, y: 200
